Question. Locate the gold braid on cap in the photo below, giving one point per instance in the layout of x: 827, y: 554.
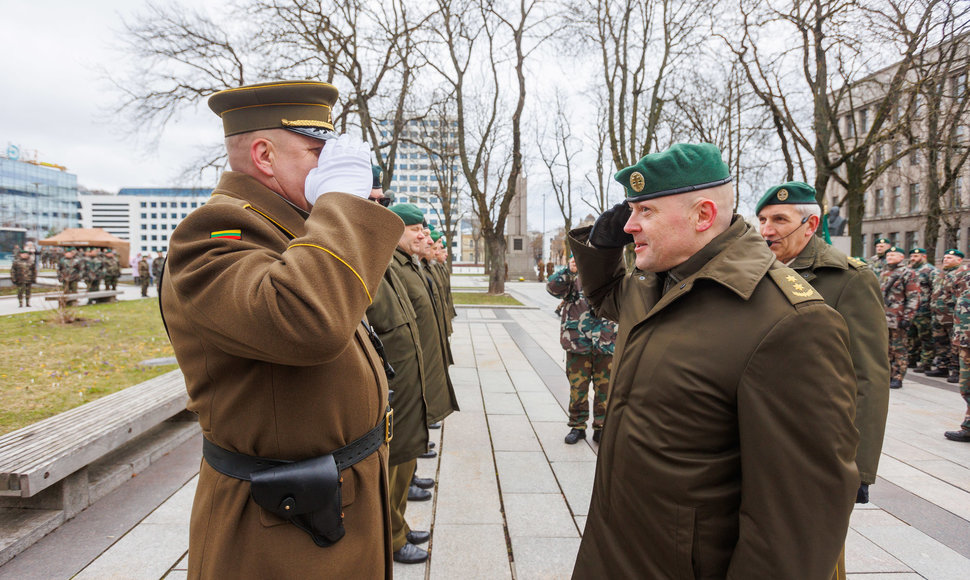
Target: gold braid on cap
x: 307, y: 123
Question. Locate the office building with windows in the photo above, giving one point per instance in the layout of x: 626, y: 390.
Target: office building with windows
x: 37, y: 196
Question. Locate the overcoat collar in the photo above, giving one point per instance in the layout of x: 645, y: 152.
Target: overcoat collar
x: 264, y: 201
x: 818, y: 254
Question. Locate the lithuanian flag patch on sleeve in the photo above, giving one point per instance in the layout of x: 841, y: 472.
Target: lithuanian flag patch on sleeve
x: 227, y: 234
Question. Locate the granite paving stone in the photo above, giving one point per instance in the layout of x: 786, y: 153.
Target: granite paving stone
x: 148, y: 551
x: 538, y: 515
x: 576, y: 481
x: 502, y: 404
x: 544, y: 558
x: 525, y: 472
x: 469, y: 551
x: 512, y: 433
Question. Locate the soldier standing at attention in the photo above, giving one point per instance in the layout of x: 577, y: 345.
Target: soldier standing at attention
x: 878, y: 260
x: 729, y: 448
x: 900, y: 294
x: 789, y: 215
x: 23, y: 273
x: 588, y: 342
x: 144, y: 275
x: 264, y: 294
x: 947, y: 359
x: 920, y: 332
x: 69, y: 271
x: 112, y: 270
x: 157, y: 266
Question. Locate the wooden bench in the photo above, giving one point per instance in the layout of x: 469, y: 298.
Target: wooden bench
x: 55, y: 468
x: 92, y: 297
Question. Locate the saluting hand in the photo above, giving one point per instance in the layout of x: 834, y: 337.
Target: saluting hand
x: 344, y: 166
x: 608, y: 231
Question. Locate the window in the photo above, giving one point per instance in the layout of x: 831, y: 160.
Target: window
x: 164, y: 204
x: 893, y: 237
x: 879, y: 155
x: 144, y: 216
x: 914, y: 157
x: 184, y: 204
x: 144, y: 226
x: 913, y: 197
x: 864, y: 240
x: 910, y: 240
x: 849, y: 125
x: 897, y: 201
x: 517, y: 244
x: 154, y: 204
x: 897, y: 151
x: 154, y: 237
x: 164, y: 216
x: 863, y: 120
x: 958, y: 192
x: 154, y: 216
x: 154, y: 226
x: 880, y: 201
x: 144, y: 237
x: 143, y: 204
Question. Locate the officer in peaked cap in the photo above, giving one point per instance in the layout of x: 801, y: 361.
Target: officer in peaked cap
x: 702, y: 378
x: 264, y: 292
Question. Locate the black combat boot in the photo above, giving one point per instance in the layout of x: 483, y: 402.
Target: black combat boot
x: 575, y: 435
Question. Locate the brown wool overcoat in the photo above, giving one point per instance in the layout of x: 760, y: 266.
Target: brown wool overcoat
x: 728, y: 450
x: 267, y: 330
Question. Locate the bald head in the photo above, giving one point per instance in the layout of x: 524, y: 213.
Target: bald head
x: 278, y: 159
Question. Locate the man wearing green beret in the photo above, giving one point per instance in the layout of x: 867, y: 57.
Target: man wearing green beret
x: 729, y: 446
x: 900, y: 295
x: 878, y: 260
x: 942, y: 304
x: 920, y: 333
x: 264, y: 293
x: 789, y: 216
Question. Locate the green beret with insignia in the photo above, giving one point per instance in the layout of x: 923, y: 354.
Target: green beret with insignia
x: 917, y: 251
x: 378, y: 176
x: 791, y: 192
x: 953, y: 252
x: 300, y: 106
x: 435, y: 235
x: 408, y: 212
x: 883, y: 241
x: 896, y: 249
x: 682, y: 168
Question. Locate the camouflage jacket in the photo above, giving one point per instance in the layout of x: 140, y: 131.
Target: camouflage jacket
x: 581, y: 330
x: 961, y: 305
x: 877, y: 263
x: 93, y: 268
x: 23, y: 271
x: 925, y: 275
x: 112, y: 267
x: 69, y: 269
x: 900, y: 293
x: 942, y: 299
x: 157, y: 266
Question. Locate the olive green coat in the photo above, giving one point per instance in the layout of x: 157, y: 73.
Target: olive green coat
x: 392, y: 317
x: 439, y: 393
x: 850, y: 287
x: 728, y: 450
x: 267, y: 330
x: 441, y: 310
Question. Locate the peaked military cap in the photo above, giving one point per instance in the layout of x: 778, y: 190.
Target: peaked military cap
x: 300, y: 106
x: 917, y: 251
x: 896, y: 249
x: 682, y: 168
x: 408, y: 212
x: 791, y: 192
x: 883, y: 241
x: 378, y: 176
x: 953, y: 252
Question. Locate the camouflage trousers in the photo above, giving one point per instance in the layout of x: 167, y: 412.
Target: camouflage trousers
x: 144, y: 285
x: 69, y: 287
x: 920, y: 336
x: 898, y: 354
x: 947, y: 353
x: 94, y: 284
x: 23, y: 290
x: 110, y: 283
x: 581, y: 370
x: 965, y: 385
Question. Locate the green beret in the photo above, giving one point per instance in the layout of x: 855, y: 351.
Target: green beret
x: 431, y: 227
x: 435, y: 235
x: 299, y: 106
x: 378, y: 176
x: 682, y: 168
x: 953, y: 253
x: 408, y: 212
x: 883, y: 241
x: 896, y: 249
x: 917, y: 251
x: 791, y: 192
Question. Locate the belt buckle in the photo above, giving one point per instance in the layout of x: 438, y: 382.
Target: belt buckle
x: 389, y: 426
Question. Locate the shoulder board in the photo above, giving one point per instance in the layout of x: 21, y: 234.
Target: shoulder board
x: 857, y: 263
x: 793, y: 286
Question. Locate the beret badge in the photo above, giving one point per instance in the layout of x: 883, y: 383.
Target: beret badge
x: 782, y: 194
x: 636, y: 181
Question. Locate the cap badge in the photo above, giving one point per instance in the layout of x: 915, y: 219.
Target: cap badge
x: 636, y: 181
x: 782, y: 194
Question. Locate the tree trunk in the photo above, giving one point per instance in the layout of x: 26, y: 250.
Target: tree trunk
x: 495, y: 262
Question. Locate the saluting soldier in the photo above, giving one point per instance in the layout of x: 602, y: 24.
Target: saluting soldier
x: 900, y: 295
x: 920, y: 333
x: 878, y: 260
x: 789, y: 215
x: 730, y: 420
x: 23, y: 273
x: 264, y: 294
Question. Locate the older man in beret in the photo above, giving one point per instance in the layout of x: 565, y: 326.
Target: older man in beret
x: 878, y: 260
x: 264, y: 293
x: 729, y: 448
x: 789, y: 216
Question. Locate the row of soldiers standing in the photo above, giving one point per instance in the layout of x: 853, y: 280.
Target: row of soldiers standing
x: 928, y: 313
x: 412, y: 312
x: 93, y: 266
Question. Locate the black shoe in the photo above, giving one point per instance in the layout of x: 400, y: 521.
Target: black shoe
x: 575, y: 435
x: 895, y: 384
x: 596, y: 435
x: 428, y: 454
x: 422, y: 482
x: 937, y: 373
x: 962, y: 435
x: 919, y: 369
x: 418, y: 537
x: 410, y: 554
x: 435, y: 425
x: 431, y: 445
x: 415, y: 493
x: 953, y: 378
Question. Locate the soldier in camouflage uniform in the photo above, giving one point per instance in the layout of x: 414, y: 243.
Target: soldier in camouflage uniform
x: 144, y: 275
x: 878, y: 260
x: 69, y: 273
x: 961, y: 339
x: 93, y: 270
x: 588, y: 342
x: 23, y: 273
x: 947, y: 354
x: 900, y: 293
x: 920, y: 333
x: 112, y: 270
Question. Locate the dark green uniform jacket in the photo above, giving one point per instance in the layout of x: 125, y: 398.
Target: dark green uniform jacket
x: 437, y: 289
x: 850, y: 287
x: 438, y: 392
x: 729, y: 448
x: 393, y: 318
x: 264, y: 305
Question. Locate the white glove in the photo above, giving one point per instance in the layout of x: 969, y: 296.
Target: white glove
x: 344, y: 166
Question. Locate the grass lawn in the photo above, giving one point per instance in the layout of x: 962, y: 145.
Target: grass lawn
x: 49, y: 367
x: 483, y: 299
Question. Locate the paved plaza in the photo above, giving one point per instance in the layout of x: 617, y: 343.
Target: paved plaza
x: 511, y: 498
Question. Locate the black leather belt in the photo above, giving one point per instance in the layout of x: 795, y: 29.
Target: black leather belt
x: 241, y: 466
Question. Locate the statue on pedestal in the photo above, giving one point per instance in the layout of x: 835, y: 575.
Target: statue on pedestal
x: 836, y: 223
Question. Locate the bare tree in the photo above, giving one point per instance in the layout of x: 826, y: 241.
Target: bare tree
x: 558, y: 154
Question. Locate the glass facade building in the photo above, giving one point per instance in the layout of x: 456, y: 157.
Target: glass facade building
x: 40, y: 197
